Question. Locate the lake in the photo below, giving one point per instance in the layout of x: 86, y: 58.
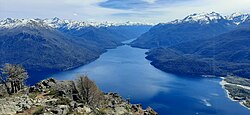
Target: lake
x: 126, y: 71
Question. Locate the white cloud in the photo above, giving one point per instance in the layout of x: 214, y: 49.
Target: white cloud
x: 85, y: 9
x: 149, y: 1
x: 164, y: 13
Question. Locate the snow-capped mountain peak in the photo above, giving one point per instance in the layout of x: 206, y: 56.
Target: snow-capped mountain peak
x: 213, y: 17
x: 238, y: 18
x: 204, y: 18
x: 10, y: 22
x: 59, y: 23
x: 236, y: 14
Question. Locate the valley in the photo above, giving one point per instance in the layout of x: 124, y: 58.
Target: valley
x: 208, y: 45
x: 165, y: 66
x: 53, y: 45
x: 126, y: 71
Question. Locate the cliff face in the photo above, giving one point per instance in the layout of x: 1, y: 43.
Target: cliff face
x: 60, y: 97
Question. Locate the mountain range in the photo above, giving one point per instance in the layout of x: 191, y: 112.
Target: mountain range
x: 201, y: 44
x: 55, y: 44
x: 205, y: 43
x: 193, y: 27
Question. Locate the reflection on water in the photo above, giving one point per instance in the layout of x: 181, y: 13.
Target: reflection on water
x: 126, y: 71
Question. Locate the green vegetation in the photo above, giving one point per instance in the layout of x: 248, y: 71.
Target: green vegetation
x: 39, y: 110
x: 53, y: 92
x: 238, y: 93
x: 170, y: 60
x: 238, y: 80
x: 102, y: 111
x: 164, y: 35
x: 247, y: 103
x: 218, y: 54
x: 41, y: 49
x: 63, y: 101
x: 33, y: 95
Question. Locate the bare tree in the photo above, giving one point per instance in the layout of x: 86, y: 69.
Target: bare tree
x: 88, y: 91
x: 15, y: 75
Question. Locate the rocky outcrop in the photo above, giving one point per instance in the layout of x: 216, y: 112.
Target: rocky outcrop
x: 15, y: 104
x: 52, y: 97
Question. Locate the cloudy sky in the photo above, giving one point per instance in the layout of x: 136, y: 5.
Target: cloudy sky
x: 152, y: 11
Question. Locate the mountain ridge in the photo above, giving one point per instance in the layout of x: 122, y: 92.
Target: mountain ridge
x: 193, y: 27
x: 222, y: 55
x: 39, y: 46
x: 69, y: 24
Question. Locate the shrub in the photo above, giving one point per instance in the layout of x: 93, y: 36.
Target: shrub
x: 88, y: 91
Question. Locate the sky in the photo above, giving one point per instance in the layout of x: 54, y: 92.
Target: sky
x: 146, y: 11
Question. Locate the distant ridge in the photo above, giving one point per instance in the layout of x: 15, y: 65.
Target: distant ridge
x: 200, y: 44
x: 192, y: 27
x: 55, y: 44
x: 213, y: 17
x: 69, y: 24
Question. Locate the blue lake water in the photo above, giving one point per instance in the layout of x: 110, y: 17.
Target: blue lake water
x: 126, y: 71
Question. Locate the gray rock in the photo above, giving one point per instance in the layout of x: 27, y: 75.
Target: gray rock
x: 84, y: 110
x: 120, y: 111
x: 12, y: 105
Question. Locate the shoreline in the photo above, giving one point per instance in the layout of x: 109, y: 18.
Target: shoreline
x: 223, y: 83
x: 241, y: 103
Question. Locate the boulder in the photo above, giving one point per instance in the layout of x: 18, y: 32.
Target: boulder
x: 120, y: 111
x: 12, y: 105
x: 83, y: 110
x: 58, y: 110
